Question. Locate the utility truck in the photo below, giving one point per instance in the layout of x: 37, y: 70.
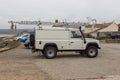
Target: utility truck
x: 50, y: 40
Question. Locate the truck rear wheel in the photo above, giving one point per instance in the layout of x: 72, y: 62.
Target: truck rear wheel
x: 50, y: 52
x: 92, y: 52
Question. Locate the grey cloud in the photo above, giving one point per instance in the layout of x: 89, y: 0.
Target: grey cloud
x: 72, y: 10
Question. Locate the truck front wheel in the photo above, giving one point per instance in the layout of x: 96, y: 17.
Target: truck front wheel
x: 50, y: 52
x: 92, y: 52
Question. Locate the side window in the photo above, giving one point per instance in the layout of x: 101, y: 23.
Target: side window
x: 75, y: 35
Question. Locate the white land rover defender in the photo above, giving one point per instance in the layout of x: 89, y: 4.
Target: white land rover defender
x: 50, y: 40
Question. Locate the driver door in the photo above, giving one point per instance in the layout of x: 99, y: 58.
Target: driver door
x: 76, y: 42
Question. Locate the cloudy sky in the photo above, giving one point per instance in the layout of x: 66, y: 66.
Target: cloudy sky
x: 49, y: 10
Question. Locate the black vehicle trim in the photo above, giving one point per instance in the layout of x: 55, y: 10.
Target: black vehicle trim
x: 50, y: 44
x: 93, y: 44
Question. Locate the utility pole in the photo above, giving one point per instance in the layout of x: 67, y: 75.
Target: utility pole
x: 89, y: 20
x: 94, y: 21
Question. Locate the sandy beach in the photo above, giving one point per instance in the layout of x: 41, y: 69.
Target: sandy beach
x: 21, y: 64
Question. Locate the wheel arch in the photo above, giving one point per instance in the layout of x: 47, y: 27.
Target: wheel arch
x: 50, y: 44
x: 93, y: 44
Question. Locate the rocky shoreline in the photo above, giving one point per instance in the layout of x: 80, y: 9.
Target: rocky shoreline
x: 7, y: 43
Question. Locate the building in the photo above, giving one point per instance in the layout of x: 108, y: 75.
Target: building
x: 102, y: 30
x: 119, y: 27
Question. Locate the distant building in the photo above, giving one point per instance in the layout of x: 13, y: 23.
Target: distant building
x: 113, y: 27
x: 102, y: 30
x: 119, y: 27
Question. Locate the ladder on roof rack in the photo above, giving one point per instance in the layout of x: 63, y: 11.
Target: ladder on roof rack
x: 59, y: 24
x: 31, y: 22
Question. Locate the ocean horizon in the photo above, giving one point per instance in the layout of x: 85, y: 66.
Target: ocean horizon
x: 17, y: 31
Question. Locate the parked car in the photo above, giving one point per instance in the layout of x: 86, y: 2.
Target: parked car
x: 115, y: 36
x: 18, y: 38
x: 25, y: 38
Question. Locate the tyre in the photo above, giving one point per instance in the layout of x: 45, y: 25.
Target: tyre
x: 92, y: 52
x: 27, y: 46
x: 50, y: 52
x: 19, y: 40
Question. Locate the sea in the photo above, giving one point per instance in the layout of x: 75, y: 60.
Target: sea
x: 8, y: 32
x: 17, y: 31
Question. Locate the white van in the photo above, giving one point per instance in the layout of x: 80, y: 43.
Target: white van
x: 50, y: 40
